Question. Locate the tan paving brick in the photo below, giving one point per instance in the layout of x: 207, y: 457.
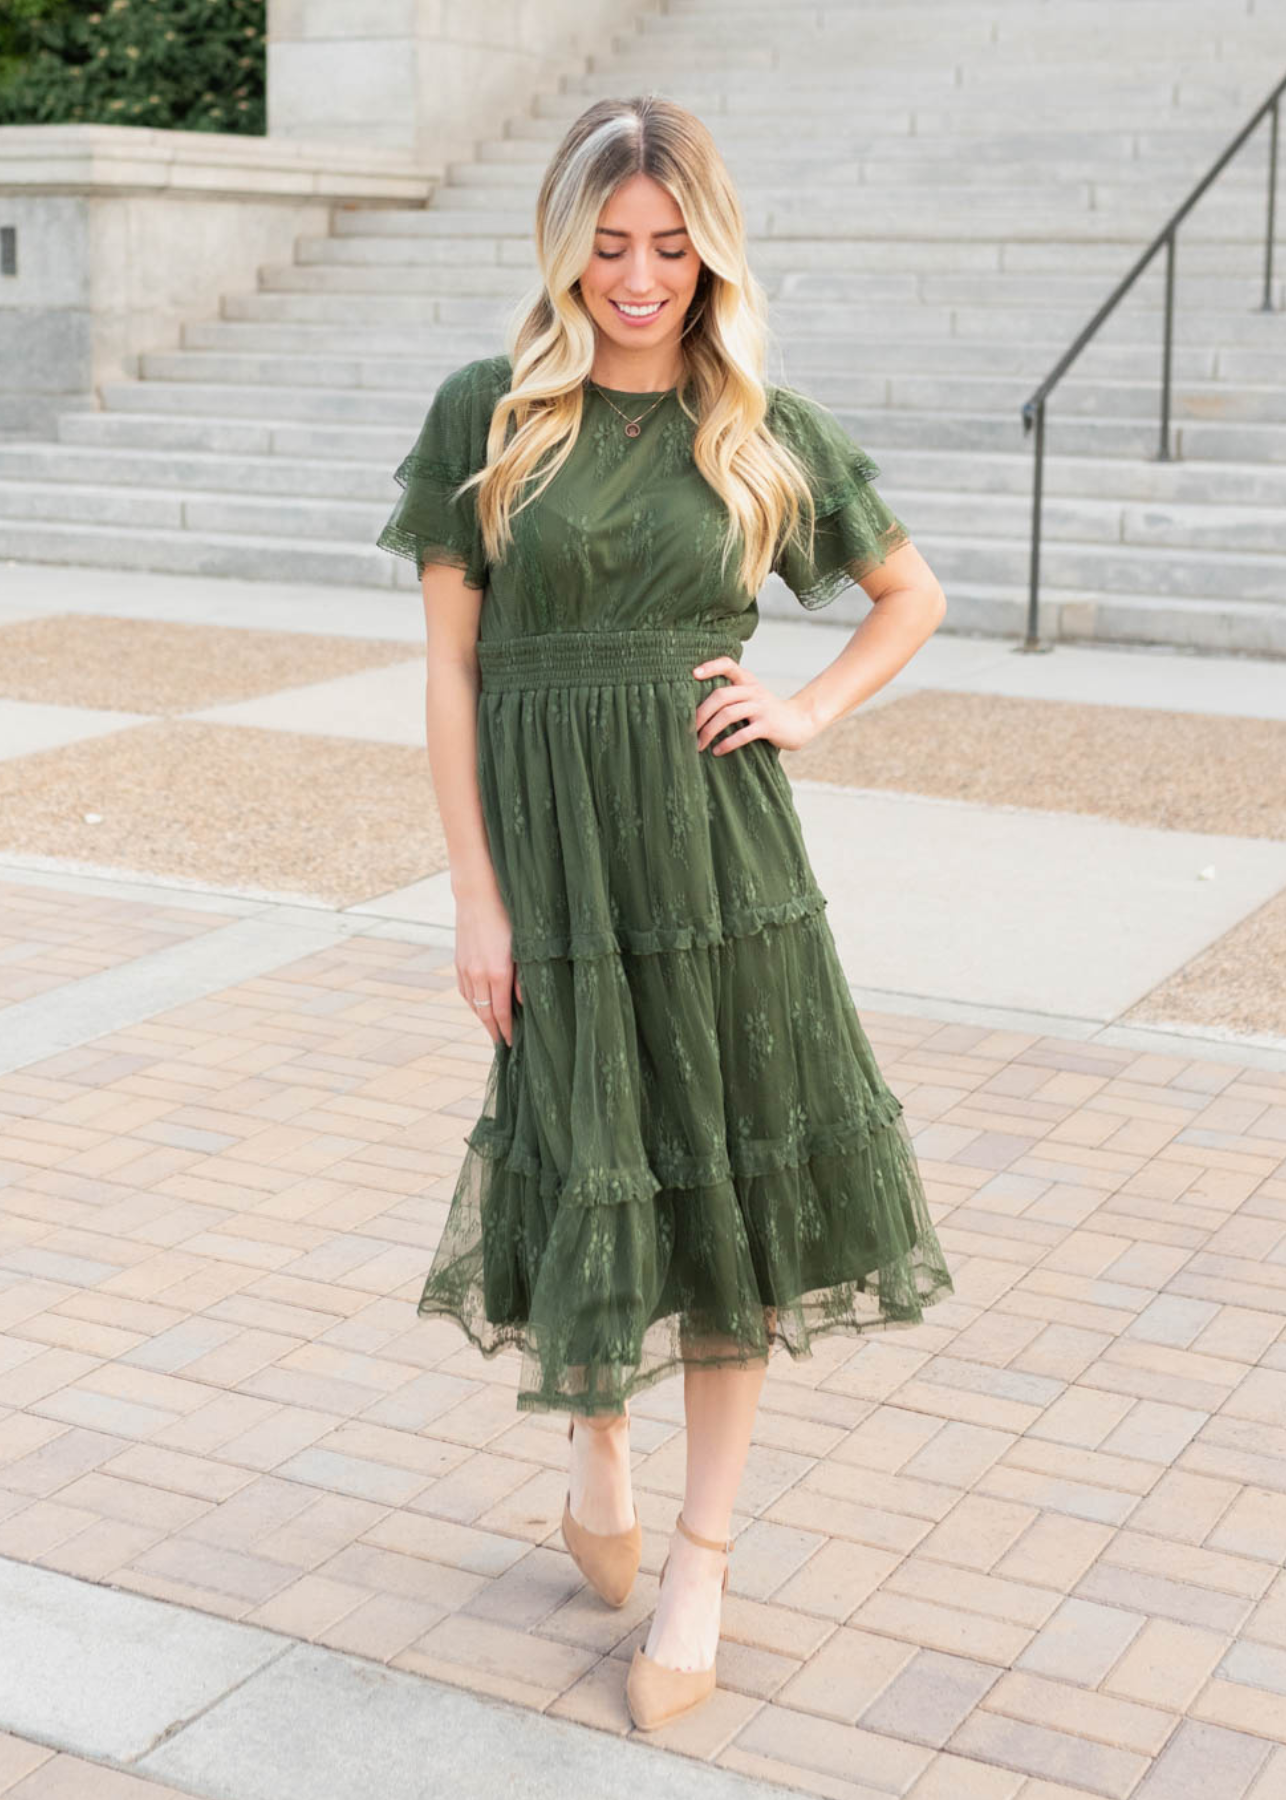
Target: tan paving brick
x: 496, y: 1659
x: 836, y: 1581
x: 1016, y: 1602
x: 308, y: 1608
x: 951, y: 1777
x: 18, y: 1758
x: 802, y: 1739
x: 380, y: 1626
x: 63, y: 1777
x: 1166, y: 1664
x: 849, y: 1671
x: 1069, y: 1707
x: 938, y: 1626
x: 1189, y: 1563
x: 97, y: 1552
x: 596, y: 1699
x: 806, y: 1781
x: 1239, y: 1708
x: 1057, y: 1755
x: 29, y: 1532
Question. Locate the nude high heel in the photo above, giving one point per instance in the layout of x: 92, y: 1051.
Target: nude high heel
x: 657, y: 1693
x: 609, y: 1560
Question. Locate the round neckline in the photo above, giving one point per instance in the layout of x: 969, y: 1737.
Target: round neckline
x: 631, y: 393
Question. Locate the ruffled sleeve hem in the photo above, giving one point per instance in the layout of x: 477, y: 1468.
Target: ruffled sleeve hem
x: 856, y: 530
x: 431, y: 522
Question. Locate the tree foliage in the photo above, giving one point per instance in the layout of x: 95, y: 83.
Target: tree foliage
x: 185, y: 65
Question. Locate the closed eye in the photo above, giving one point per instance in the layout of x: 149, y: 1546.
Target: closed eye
x: 616, y: 255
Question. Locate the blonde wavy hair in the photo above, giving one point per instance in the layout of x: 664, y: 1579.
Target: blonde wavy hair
x: 551, y: 336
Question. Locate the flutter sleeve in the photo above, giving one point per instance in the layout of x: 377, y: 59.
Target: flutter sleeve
x: 429, y: 524
x: 856, y: 531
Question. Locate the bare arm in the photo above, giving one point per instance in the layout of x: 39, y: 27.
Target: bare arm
x: 484, y: 961
x: 909, y: 606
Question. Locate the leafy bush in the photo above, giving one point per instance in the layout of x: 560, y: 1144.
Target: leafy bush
x: 185, y: 65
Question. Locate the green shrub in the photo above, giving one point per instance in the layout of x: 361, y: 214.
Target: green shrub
x: 183, y: 65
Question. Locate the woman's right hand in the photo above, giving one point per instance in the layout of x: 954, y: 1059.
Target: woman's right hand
x: 484, y: 965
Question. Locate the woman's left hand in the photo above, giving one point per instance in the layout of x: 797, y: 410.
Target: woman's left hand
x: 783, y: 722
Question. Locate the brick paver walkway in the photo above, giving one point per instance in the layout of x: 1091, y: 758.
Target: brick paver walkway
x: 1030, y: 1549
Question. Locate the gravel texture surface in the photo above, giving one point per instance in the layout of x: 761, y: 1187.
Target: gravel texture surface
x: 1178, y: 771
x: 151, y: 666
x: 329, y: 818
x: 1238, y: 983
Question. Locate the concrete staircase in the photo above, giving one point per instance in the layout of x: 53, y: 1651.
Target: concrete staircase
x: 941, y: 193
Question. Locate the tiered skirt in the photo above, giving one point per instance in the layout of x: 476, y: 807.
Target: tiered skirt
x: 688, y: 1153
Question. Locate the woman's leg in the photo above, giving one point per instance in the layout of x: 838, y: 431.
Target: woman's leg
x: 602, y: 1494
x: 720, y: 1406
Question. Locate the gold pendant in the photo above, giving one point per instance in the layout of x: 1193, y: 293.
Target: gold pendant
x: 633, y: 428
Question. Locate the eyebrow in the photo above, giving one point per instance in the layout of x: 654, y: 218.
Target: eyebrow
x: 674, y: 231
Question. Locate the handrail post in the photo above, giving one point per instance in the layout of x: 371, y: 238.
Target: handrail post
x: 1272, y: 203
x: 1032, y: 640
x: 1167, y: 352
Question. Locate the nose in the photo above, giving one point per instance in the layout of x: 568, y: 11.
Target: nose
x: 638, y: 273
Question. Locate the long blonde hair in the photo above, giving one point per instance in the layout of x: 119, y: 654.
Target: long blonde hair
x: 551, y: 341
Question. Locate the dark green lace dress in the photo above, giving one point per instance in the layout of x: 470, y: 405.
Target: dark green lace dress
x: 688, y: 1153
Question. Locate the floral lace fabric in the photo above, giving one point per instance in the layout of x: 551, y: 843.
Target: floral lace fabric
x: 688, y: 1153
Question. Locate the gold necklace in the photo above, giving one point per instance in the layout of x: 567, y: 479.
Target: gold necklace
x: 632, y: 426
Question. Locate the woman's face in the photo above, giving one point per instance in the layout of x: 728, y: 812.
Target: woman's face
x: 643, y: 271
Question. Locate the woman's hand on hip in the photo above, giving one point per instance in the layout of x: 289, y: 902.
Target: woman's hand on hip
x: 763, y: 714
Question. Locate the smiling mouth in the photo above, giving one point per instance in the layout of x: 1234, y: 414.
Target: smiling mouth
x: 639, y: 312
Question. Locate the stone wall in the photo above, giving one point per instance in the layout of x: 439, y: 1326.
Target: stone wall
x: 122, y: 234
x: 429, y: 77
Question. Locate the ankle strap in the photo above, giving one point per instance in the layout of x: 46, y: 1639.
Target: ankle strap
x: 724, y: 1544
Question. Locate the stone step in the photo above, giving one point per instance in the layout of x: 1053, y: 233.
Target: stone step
x: 932, y: 170
x: 970, y: 440
x: 384, y: 445
x: 1133, y: 219
x: 301, y: 382
x: 1097, y: 210
x: 920, y: 123
x: 328, y: 463
x: 823, y: 253
x: 301, y: 499
x: 174, y: 509
x: 1068, y: 570
x: 359, y: 258
x: 1101, y: 434
x: 264, y: 475
x: 802, y: 354
x: 224, y: 400
x: 1129, y: 324
x: 1185, y: 152
x: 268, y: 558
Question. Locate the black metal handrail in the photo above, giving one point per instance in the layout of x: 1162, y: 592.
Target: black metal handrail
x: 1034, y: 408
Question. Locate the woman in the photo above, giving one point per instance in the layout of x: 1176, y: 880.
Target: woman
x: 686, y: 1151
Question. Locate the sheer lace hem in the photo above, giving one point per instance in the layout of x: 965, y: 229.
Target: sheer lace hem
x: 425, y: 551
x: 430, y: 524
x: 832, y: 583
x: 603, y: 1302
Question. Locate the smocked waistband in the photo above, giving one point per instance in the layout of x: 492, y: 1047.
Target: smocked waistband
x: 575, y: 658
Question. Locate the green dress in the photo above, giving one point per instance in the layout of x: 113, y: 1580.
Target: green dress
x: 688, y: 1153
